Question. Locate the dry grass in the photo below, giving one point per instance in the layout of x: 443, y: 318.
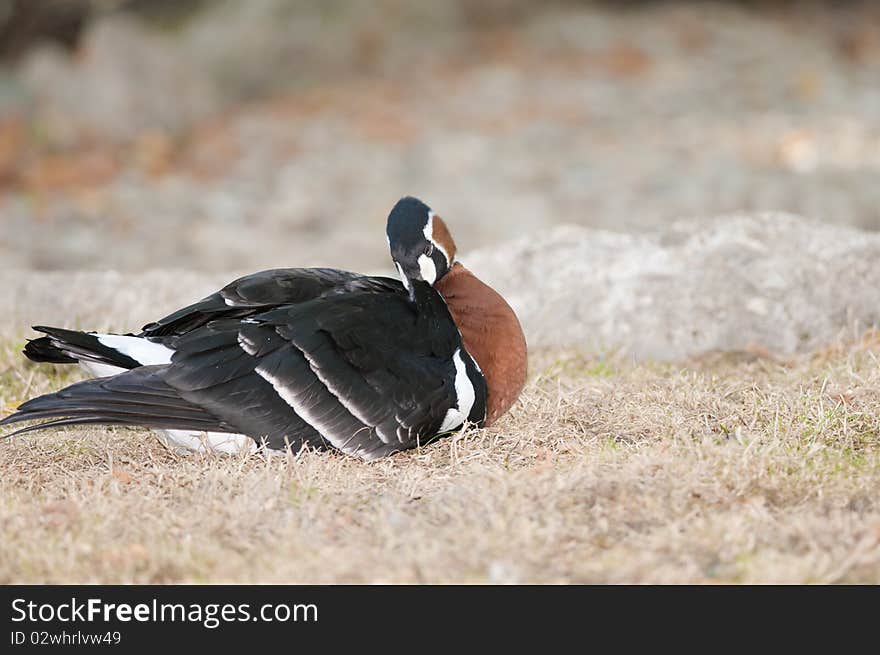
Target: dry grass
x: 727, y: 469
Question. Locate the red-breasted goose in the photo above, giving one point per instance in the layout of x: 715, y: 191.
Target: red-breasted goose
x: 317, y: 356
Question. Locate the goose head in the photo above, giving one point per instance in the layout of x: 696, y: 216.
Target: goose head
x: 421, y: 245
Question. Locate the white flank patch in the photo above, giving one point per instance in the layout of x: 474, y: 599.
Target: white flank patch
x: 203, y: 442
x: 428, y: 269
x: 141, y: 350
x: 403, y: 278
x: 289, y: 397
x: 229, y: 302
x: 464, y: 391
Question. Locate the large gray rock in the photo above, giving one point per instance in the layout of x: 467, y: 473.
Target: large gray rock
x: 772, y: 282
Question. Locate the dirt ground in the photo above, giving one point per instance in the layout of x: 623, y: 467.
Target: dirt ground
x: 731, y: 468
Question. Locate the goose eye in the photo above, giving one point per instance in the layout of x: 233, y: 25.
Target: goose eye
x: 429, y: 249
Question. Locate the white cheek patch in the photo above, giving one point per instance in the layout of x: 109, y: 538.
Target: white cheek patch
x: 403, y: 277
x: 428, y: 269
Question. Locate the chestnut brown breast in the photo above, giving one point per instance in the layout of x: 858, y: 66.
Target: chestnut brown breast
x: 492, y: 335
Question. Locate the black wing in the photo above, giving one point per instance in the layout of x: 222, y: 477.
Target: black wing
x: 265, y: 290
x: 363, y: 372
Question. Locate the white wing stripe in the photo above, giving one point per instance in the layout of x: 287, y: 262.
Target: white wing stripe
x: 354, y: 411
x: 247, y: 345
x: 289, y: 396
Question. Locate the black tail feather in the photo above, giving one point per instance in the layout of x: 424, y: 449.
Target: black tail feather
x: 170, y: 424
x: 42, y: 350
x: 62, y: 346
x: 138, y: 397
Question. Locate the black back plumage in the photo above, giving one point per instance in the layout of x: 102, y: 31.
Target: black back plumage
x: 294, y: 356
x: 261, y: 291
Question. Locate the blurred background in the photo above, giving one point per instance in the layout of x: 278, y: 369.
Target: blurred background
x: 220, y: 135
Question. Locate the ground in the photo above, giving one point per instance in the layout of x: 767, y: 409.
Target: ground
x: 725, y: 468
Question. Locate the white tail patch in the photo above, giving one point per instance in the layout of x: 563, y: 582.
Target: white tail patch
x: 464, y: 392
x: 144, y: 352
